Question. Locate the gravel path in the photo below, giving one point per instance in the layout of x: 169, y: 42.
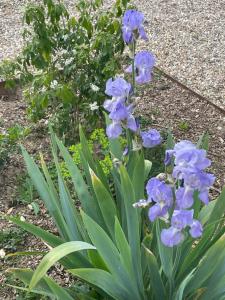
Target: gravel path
x: 187, y: 37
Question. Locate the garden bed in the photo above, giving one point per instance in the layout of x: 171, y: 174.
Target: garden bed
x: 163, y: 104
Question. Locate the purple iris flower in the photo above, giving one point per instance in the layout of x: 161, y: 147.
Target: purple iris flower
x: 168, y: 157
x: 118, y: 88
x: 190, y: 163
x: 171, y: 237
x: 157, y: 189
x: 132, y: 24
x: 114, y: 130
x: 184, y: 198
x: 144, y: 62
x: 199, y: 181
x: 151, y: 138
x: 161, y: 193
x: 157, y: 211
x: 131, y: 123
x: 118, y: 111
x: 182, y: 218
x: 182, y: 145
x: 196, y: 229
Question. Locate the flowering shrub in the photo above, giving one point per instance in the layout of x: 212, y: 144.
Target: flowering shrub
x: 66, y: 60
x: 113, y: 241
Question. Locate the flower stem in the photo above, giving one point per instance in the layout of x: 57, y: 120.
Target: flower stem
x: 133, y: 67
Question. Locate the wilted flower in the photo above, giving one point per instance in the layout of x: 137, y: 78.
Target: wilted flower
x: 151, y: 138
x: 133, y: 26
x: 144, y: 62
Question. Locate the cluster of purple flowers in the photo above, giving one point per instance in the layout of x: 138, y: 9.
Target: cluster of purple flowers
x: 133, y: 26
x: 189, y: 178
x: 120, y: 112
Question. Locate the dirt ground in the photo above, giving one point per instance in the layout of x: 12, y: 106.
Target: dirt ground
x: 163, y: 103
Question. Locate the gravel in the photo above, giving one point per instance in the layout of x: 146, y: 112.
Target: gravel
x: 186, y: 36
x: 188, y: 39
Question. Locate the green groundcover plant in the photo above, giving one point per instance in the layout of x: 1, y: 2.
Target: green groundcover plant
x: 133, y: 236
x: 66, y: 60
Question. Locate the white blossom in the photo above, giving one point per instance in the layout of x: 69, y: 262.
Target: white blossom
x: 2, y: 253
x: 93, y: 106
x: 94, y: 87
x: 53, y: 84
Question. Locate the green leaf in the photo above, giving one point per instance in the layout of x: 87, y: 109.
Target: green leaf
x: 72, y: 218
x: 180, y: 292
x: 203, y: 142
x: 148, y: 166
x: 108, y: 252
x: 105, y: 202
x: 45, y: 286
x: 219, y: 208
x: 87, y: 202
x: 155, y: 278
x: 46, y: 194
x: 55, y: 255
x: 93, y: 164
x: 138, y: 178
x: 213, y: 259
x: 105, y: 281
x: 71, y: 261
x: 124, y: 249
x: 165, y: 253
x: 206, y: 211
x: 133, y: 224
x: 170, y: 141
x: 65, y: 94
